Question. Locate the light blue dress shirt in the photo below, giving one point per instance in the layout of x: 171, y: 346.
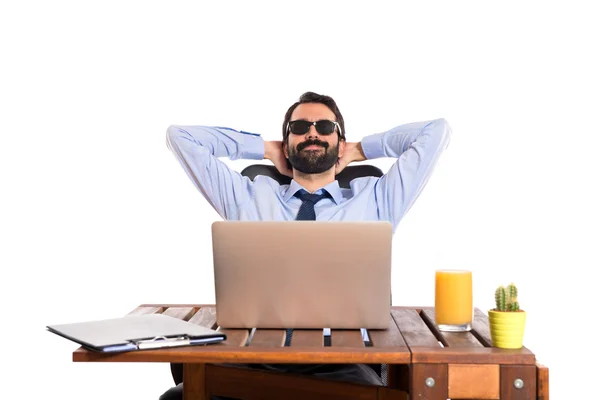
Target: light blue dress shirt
x: 417, y: 147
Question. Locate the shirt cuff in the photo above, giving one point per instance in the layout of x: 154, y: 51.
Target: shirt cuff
x: 253, y: 147
x: 372, y: 146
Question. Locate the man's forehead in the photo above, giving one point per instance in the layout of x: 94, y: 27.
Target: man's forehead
x: 312, y: 112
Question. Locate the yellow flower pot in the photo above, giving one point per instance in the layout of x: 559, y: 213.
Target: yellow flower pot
x: 507, y: 328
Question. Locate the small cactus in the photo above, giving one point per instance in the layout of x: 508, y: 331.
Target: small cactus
x: 506, y: 298
x: 500, y: 298
x: 512, y: 291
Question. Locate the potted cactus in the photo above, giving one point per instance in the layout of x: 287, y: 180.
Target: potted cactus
x: 507, y: 320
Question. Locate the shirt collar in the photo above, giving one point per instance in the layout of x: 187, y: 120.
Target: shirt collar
x: 332, y: 188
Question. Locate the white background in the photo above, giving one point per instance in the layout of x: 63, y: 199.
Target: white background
x: 98, y: 217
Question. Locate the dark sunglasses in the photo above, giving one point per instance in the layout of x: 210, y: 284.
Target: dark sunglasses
x: 323, y: 126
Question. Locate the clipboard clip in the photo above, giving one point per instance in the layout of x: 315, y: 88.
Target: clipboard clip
x: 159, y: 342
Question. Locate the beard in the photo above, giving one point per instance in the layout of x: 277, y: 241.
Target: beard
x: 313, y: 161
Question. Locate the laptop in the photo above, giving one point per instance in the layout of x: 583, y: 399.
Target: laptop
x: 302, y: 274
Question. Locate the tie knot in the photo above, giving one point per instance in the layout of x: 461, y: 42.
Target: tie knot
x: 313, y: 198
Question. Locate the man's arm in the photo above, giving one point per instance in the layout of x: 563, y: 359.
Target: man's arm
x: 274, y: 153
x: 197, y: 149
x: 417, y: 146
x: 352, y: 152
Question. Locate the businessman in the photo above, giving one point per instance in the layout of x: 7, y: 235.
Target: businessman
x: 313, y: 150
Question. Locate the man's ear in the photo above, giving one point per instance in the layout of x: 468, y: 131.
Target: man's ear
x: 285, y: 149
x: 341, y: 148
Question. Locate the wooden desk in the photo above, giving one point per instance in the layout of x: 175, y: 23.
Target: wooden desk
x: 423, y: 363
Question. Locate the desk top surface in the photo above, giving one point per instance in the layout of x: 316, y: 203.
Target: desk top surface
x: 411, y: 337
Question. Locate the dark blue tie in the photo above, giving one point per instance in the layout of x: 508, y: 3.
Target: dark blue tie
x: 307, y: 209
x: 305, y: 213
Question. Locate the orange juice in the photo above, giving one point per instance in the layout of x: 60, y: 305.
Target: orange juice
x: 453, y: 299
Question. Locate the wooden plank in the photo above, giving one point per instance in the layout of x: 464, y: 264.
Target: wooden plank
x: 194, y: 382
x: 481, y: 327
x: 235, y: 337
x: 461, y: 339
x: 464, y: 347
x: 474, y: 381
x: 252, y: 384
x: 223, y: 353
x: 266, y: 338
x: 147, y: 310
x: 482, y: 355
x: 206, y: 317
x: 543, y: 380
x: 183, y: 313
x: 451, y: 339
x: 347, y: 338
x: 307, y: 338
x: 419, y: 376
x: 509, y: 374
x: 385, y: 338
x: 413, y: 328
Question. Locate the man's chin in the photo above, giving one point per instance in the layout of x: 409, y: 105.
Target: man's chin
x: 313, y: 161
x: 311, y: 168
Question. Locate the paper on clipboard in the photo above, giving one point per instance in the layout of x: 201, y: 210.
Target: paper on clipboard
x: 136, y: 332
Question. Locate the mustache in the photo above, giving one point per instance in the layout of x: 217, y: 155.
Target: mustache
x: 312, y: 142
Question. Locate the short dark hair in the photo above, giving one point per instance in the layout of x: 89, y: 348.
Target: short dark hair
x: 311, y: 97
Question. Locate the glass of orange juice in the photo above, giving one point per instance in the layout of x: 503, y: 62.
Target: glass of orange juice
x: 453, y: 300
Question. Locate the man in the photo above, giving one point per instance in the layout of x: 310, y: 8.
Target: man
x: 313, y: 151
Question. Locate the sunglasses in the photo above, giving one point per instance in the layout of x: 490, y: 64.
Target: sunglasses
x: 323, y: 126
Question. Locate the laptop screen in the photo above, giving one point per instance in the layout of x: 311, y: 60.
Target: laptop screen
x: 302, y: 274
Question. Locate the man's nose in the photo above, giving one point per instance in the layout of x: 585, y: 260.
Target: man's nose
x: 312, y: 132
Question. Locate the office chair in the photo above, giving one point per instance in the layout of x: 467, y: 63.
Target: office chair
x: 344, y: 178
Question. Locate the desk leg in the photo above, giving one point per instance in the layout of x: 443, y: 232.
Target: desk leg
x: 194, y: 386
x: 543, y: 391
x: 429, y: 381
x: 518, y: 382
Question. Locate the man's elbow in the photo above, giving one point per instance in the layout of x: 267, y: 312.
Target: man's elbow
x: 441, y: 125
x: 440, y: 129
x: 173, y: 132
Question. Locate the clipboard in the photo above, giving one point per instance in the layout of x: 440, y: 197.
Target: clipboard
x: 136, y: 332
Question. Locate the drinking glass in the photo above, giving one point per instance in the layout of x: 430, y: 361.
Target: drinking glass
x: 453, y: 300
